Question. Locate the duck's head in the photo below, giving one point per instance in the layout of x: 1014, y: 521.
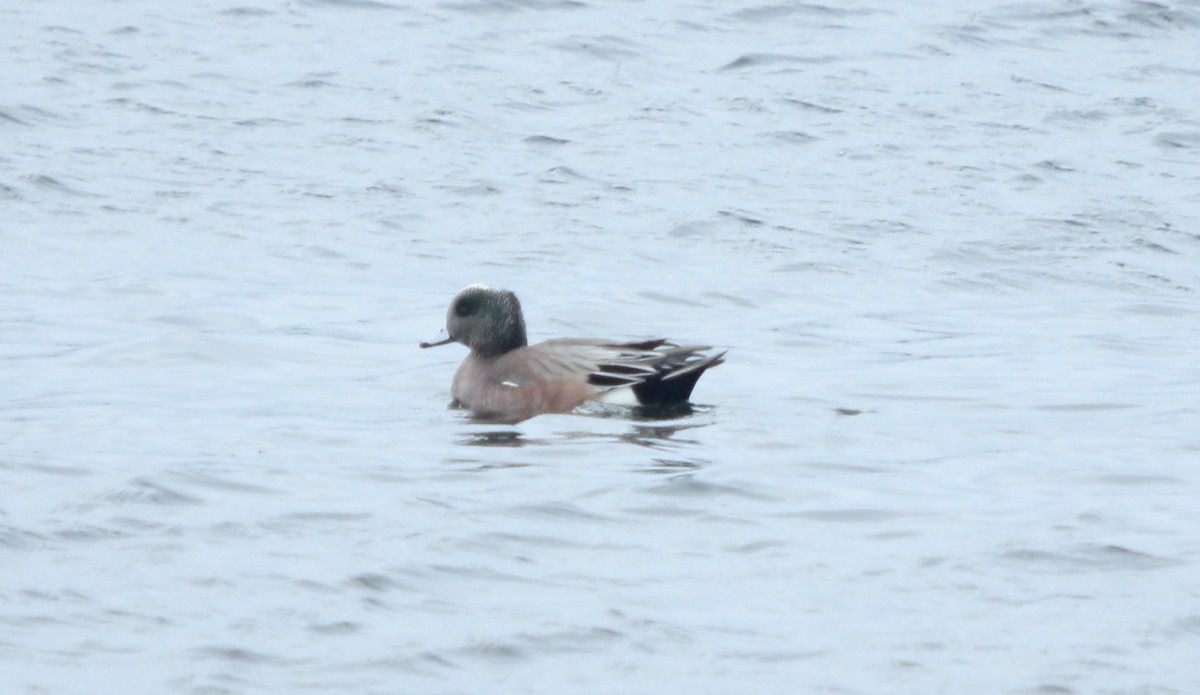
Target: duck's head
x: 487, y: 320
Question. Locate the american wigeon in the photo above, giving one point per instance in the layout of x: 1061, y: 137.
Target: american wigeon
x: 504, y: 378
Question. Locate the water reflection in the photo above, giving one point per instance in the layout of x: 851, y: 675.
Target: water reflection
x: 501, y: 438
x: 645, y: 413
x: 673, y: 466
x: 670, y: 411
x: 657, y: 436
x: 651, y: 436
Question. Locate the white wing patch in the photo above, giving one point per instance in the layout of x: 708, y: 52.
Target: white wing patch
x: 622, y: 395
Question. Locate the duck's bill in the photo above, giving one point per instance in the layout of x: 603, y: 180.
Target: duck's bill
x: 436, y: 343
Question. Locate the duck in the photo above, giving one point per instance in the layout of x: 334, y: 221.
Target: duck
x: 506, y: 379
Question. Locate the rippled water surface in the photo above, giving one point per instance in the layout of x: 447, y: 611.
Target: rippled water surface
x: 953, y: 250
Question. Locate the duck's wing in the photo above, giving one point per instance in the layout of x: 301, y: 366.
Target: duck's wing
x: 575, y: 359
x: 657, y: 370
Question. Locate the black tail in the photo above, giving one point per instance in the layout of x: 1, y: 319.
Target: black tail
x: 677, y: 374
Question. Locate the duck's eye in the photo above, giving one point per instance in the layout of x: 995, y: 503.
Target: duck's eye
x: 466, y: 306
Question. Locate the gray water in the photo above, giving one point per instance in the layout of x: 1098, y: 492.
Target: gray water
x: 953, y: 251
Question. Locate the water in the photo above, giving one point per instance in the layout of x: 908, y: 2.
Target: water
x: 952, y: 250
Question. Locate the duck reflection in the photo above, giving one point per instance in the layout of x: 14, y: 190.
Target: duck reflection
x: 656, y: 436
x: 500, y: 438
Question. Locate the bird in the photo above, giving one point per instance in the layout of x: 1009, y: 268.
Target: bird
x: 506, y: 379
